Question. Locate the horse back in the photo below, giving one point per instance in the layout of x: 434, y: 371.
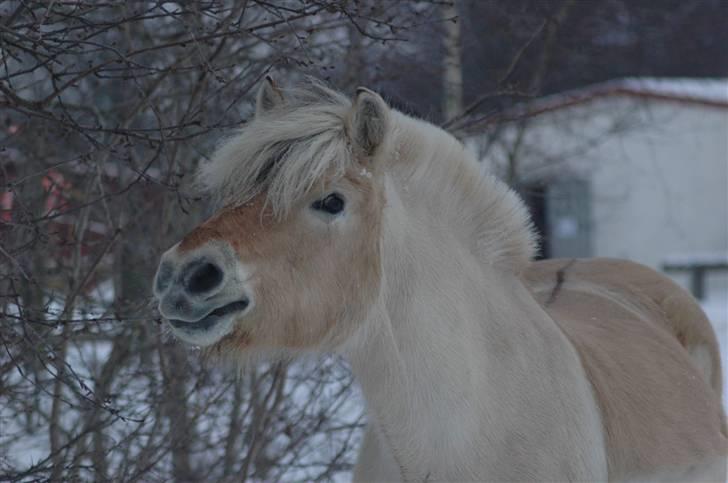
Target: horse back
x: 651, y: 356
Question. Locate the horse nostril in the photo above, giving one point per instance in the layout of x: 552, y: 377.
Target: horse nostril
x: 204, y: 278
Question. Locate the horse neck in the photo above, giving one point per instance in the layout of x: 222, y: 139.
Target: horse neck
x: 423, y: 358
x: 450, y: 331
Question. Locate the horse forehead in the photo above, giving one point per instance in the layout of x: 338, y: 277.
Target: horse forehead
x: 234, y: 224
x: 245, y: 224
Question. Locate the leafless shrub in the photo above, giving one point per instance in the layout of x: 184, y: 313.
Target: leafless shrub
x: 106, y: 109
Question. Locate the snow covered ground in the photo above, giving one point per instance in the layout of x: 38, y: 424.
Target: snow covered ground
x: 31, y: 445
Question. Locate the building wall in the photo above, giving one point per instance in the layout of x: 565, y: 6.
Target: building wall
x: 657, y: 172
x: 672, y: 176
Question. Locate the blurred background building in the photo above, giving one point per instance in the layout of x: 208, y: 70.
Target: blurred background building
x: 634, y: 168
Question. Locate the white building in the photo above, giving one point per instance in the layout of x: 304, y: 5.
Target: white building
x: 635, y: 169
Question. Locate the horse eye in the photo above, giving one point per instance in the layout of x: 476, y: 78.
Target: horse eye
x: 332, y: 204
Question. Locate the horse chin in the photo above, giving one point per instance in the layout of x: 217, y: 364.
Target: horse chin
x: 206, y: 336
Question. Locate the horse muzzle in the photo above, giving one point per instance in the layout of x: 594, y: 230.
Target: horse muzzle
x: 201, y: 292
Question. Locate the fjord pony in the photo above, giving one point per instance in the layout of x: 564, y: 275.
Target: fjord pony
x: 345, y: 226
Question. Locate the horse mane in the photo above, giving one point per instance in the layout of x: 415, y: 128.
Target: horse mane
x: 286, y: 150
x: 283, y: 151
x: 492, y: 219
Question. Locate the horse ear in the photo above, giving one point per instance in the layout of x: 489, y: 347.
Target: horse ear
x: 368, y: 122
x: 269, y: 96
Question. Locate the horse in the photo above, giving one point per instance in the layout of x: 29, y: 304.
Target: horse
x: 344, y: 226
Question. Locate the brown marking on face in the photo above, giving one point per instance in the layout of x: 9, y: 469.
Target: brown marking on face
x: 198, y: 237
x: 311, y: 282
x: 335, y: 278
x: 238, y: 225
